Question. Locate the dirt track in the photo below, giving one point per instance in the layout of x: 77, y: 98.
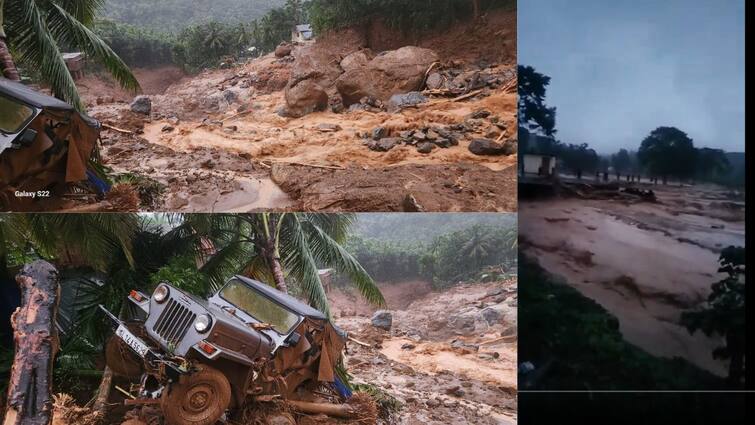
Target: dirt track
x: 215, y: 141
x: 644, y: 262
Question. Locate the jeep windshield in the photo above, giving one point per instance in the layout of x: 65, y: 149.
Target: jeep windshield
x: 13, y: 115
x: 259, y: 306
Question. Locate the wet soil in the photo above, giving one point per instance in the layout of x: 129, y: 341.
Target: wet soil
x: 261, y: 160
x: 439, y: 373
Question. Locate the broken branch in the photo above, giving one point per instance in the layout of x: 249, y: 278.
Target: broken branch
x: 119, y: 130
x: 356, y: 341
x: 330, y: 409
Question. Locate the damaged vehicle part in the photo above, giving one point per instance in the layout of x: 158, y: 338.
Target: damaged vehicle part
x: 45, y: 144
x: 246, y: 341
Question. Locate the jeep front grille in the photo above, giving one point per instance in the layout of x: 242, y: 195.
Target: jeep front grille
x: 174, y: 321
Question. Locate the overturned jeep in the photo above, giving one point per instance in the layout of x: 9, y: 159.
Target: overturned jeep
x: 205, y: 359
x: 45, y: 145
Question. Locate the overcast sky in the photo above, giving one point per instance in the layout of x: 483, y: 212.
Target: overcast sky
x: 619, y: 69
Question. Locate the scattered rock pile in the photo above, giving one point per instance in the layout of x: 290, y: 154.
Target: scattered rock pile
x: 454, y: 80
x: 428, y: 138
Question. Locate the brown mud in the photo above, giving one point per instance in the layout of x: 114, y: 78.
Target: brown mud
x: 440, y: 360
x: 216, y: 141
x: 645, y: 262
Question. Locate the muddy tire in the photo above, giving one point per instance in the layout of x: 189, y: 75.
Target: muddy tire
x: 119, y: 357
x: 200, y: 398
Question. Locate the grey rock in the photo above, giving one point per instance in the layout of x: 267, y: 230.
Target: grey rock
x: 382, y: 319
x: 489, y: 147
x: 434, y: 81
x: 400, y: 101
x: 378, y: 133
x: 385, y: 144
x: 425, y: 147
x: 141, y: 105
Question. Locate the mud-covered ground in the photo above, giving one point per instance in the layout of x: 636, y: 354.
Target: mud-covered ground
x: 450, y: 356
x: 644, y: 262
x: 217, y: 141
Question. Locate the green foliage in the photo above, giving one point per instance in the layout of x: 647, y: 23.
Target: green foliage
x: 136, y: 45
x: 724, y: 313
x: 181, y: 271
x: 534, y: 114
x: 38, y: 32
x: 406, y: 15
x: 409, y: 228
x: 583, y: 346
x: 711, y: 163
x: 204, y: 46
x: 621, y: 161
x: 455, y: 256
x: 668, y: 152
x: 174, y: 15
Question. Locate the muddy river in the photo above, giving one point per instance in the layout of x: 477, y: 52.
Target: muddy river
x: 644, y: 262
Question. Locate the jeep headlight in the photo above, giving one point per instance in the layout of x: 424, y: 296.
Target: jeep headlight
x: 202, y: 323
x: 161, y: 293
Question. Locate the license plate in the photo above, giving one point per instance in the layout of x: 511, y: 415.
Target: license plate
x: 132, y: 341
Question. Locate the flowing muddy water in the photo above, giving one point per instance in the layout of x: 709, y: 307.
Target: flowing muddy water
x: 265, y: 136
x: 441, y: 358
x: 643, y: 262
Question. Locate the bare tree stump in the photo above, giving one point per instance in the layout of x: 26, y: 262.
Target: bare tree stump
x: 36, y: 339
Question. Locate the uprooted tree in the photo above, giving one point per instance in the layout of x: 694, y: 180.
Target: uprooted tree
x: 36, y: 339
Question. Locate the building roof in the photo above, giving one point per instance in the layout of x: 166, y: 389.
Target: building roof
x: 305, y: 30
x: 34, y: 98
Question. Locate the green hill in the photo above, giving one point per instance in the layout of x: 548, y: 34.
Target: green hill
x: 171, y: 15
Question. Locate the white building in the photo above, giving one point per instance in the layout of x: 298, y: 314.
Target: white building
x: 302, y: 33
x: 539, y: 165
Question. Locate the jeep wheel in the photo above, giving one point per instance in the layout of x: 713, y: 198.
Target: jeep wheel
x: 119, y: 357
x: 200, y: 398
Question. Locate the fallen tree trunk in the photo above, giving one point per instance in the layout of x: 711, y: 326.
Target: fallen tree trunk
x: 36, y: 340
x: 330, y: 409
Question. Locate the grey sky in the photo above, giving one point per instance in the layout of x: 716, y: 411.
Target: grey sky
x: 619, y: 69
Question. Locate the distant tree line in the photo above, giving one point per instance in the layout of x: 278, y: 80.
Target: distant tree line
x: 666, y: 153
x: 196, y: 44
x: 460, y: 255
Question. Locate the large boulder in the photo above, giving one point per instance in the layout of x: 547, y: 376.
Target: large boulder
x: 315, y: 63
x: 283, y: 49
x: 305, y: 97
x: 357, y: 59
x: 489, y: 147
x: 393, y: 72
x: 142, y: 105
x: 464, y: 322
x: 382, y: 319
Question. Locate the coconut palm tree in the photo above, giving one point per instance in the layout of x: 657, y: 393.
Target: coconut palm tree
x: 35, y: 31
x: 285, y: 250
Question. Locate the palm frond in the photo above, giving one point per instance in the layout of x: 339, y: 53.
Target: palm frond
x: 297, y: 258
x: 69, y: 31
x: 84, y: 11
x: 331, y: 253
x: 36, y: 48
